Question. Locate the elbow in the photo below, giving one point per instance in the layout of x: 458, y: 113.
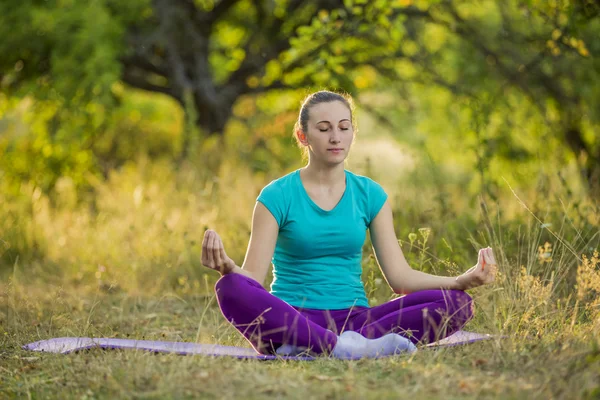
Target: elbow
x: 405, y: 286
x: 399, y: 287
x: 402, y: 290
x: 404, y: 283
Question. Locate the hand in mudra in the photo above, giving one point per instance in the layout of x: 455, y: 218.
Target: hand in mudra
x: 482, y: 273
x: 213, y: 253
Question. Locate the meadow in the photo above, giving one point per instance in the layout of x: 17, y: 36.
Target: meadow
x: 129, y: 128
x: 127, y: 265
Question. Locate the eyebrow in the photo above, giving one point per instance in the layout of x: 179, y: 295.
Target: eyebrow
x: 330, y: 122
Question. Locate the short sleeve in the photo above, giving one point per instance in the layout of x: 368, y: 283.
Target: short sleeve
x: 377, y: 198
x: 271, y: 197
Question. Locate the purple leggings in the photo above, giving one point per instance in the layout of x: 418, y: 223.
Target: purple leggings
x: 268, y: 322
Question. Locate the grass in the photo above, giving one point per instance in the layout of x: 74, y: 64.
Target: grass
x: 515, y: 367
x: 126, y: 264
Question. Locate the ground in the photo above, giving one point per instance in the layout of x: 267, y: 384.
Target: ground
x: 514, y: 367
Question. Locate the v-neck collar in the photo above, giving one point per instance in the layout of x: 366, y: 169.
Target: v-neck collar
x: 315, y: 205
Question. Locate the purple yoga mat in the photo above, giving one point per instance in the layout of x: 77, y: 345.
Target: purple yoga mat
x: 70, y: 344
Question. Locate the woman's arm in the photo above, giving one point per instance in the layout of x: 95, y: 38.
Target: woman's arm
x: 261, y: 245
x: 400, y: 276
x: 260, y: 248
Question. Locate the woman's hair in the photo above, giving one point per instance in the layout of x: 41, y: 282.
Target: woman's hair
x: 322, y: 96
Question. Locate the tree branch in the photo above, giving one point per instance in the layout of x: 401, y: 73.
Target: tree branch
x: 253, y: 63
x: 137, y: 61
x: 139, y: 82
x: 473, y: 37
x: 178, y: 72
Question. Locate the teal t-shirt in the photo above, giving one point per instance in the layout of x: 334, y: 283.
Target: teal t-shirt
x: 317, y: 258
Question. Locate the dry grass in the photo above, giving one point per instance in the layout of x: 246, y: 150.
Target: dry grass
x: 554, y: 365
x: 127, y: 265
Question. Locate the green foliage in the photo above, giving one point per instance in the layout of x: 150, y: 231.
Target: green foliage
x: 490, y: 77
x: 58, y: 71
x: 64, y: 50
x: 142, y: 124
x: 31, y: 153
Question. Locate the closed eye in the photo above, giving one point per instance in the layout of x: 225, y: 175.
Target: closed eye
x: 325, y: 130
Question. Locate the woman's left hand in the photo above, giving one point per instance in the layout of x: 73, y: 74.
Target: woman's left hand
x: 482, y: 273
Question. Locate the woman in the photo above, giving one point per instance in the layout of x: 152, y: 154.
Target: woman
x: 312, y: 225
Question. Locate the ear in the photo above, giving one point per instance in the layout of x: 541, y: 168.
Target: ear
x: 301, y: 137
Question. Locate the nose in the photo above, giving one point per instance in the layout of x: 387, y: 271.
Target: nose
x: 335, y: 135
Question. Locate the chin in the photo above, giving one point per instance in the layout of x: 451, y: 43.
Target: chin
x: 336, y: 162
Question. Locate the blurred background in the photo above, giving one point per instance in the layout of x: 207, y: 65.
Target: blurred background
x: 129, y: 128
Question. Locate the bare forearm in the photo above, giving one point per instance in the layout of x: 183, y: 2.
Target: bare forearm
x: 241, y: 271
x: 415, y: 281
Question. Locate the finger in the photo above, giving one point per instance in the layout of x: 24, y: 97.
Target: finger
x: 210, y: 251
x: 205, y: 248
x: 486, y: 256
x: 482, y: 258
x: 492, y: 256
x: 217, y: 254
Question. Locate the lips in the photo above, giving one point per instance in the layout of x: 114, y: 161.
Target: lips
x: 335, y: 149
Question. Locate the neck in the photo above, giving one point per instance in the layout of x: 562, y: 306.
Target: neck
x: 326, y: 175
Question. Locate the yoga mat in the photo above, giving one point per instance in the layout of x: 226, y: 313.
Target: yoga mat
x: 66, y: 345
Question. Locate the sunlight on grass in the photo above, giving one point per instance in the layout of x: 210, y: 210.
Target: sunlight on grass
x: 127, y: 264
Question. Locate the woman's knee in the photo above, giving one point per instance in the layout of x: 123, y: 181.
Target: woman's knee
x: 235, y: 285
x: 230, y: 285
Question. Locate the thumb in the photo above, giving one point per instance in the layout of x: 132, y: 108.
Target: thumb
x: 482, y: 260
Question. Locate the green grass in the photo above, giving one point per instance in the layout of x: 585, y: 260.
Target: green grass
x: 554, y: 365
x: 126, y: 263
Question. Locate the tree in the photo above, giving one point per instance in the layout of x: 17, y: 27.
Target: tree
x: 207, y: 54
x: 204, y: 54
x: 548, y: 52
x: 544, y: 53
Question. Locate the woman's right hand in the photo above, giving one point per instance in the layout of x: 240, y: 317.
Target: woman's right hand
x: 213, y: 253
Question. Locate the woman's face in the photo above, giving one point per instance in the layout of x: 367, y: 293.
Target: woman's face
x: 330, y: 132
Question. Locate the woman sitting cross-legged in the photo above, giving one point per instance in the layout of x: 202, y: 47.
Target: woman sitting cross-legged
x: 311, y: 224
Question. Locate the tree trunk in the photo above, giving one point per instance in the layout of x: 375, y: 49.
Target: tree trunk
x: 202, y: 119
x: 212, y: 118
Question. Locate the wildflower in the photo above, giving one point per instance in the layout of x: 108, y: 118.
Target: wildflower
x: 545, y: 253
